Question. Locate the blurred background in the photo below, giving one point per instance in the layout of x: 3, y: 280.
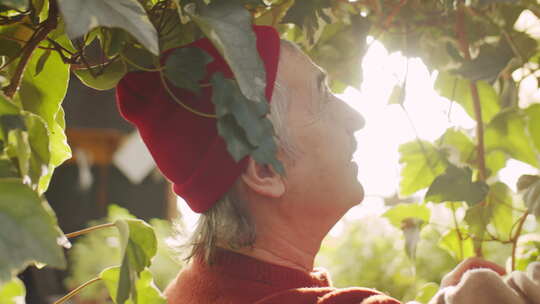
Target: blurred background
x: 111, y: 176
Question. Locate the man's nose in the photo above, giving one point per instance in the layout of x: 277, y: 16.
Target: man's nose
x: 355, y: 121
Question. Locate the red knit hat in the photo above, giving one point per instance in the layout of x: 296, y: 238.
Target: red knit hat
x: 186, y: 147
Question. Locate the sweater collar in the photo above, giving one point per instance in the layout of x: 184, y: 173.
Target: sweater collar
x: 247, y: 268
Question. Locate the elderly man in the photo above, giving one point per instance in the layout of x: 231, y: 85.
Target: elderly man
x: 259, y: 231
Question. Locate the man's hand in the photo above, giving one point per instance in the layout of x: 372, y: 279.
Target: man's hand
x: 454, y: 277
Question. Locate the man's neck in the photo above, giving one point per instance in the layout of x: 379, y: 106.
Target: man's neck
x: 293, y: 248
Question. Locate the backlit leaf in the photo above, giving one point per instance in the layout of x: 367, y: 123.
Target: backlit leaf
x: 533, y: 113
x: 12, y: 292
x: 500, y: 201
x: 185, y: 67
x: 228, y: 25
x: 105, y: 79
x: 507, y: 133
x: 421, y: 162
x: 397, y: 214
x: 42, y: 95
x: 459, y: 245
x: 28, y: 233
x: 243, y: 124
x: 126, y: 14
x: 139, y: 245
x: 531, y: 197
x: 459, y: 90
x: 21, y: 5
x: 456, y: 185
x: 147, y: 292
x: 426, y: 292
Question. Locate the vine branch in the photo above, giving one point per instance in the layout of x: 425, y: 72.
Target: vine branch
x: 84, y: 231
x: 76, y: 291
x: 39, y: 35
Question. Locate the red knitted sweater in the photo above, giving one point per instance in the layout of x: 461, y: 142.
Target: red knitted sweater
x: 239, y: 279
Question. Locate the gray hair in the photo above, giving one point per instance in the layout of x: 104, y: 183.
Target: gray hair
x: 228, y: 222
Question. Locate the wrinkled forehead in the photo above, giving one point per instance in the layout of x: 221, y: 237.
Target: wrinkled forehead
x: 302, y: 77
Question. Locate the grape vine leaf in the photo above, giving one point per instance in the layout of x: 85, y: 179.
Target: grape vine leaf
x: 28, y: 233
x: 12, y: 292
x: 126, y: 14
x: 228, y: 26
x: 457, y: 244
x: 185, y: 67
x: 507, y: 132
x: 499, y: 200
x: 139, y: 245
x: 243, y: 124
x: 147, y: 292
x: 530, y: 185
x: 456, y: 185
x: 458, y: 143
x: 458, y: 89
x: 397, y: 214
x: 421, y: 163
x: 306, y: 14
x: 533, y: 113
x: 21, y: 5
x: 42, y: 95
x: 106, y: 79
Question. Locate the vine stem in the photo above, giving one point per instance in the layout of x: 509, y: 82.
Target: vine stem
x: 84, y: 231
x: 515, y: 238
x: 480, y: 152
x: 76, y: 291
x: 185, y: 106
x: 39, y: 35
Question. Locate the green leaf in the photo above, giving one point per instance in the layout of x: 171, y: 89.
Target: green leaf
x: 507, y: 133
x: 458, y: 245
x: 125, y: 14
x: 228, y: 25
x: 340, y: 50
x: 456, y: 185
x: 306, y: 14
x: 243, y: 124
x: 12, y: 292
x: 422, y: 162
x: 398, y: 95
x: 41, y: 61
x: 7, y: 169
x: 531, y: 197
x: 105, y: 79
x: 500, y: 201
x: 7, y: 107
x: 43, y: 95
x: 533, y: 114
x: 28, y: 230
x: 21, y: 5
x: 113, y: 40
x: 139, y: 245
x: 426, y: 292
x: 462, y: 143
x: 397, y: 214
x: 459, y: 90
x: 185, y: 67
x: 411, y: 230
x: 495, y: 161
x: 147, y: 292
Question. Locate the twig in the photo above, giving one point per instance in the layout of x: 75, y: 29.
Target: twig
x: 515, y: 238
x: 84, y: 231
x: 44, y: 29
x: 395, y: 10
x: 76, y: 291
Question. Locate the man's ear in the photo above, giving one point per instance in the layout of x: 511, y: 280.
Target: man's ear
x: 263, y: 179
